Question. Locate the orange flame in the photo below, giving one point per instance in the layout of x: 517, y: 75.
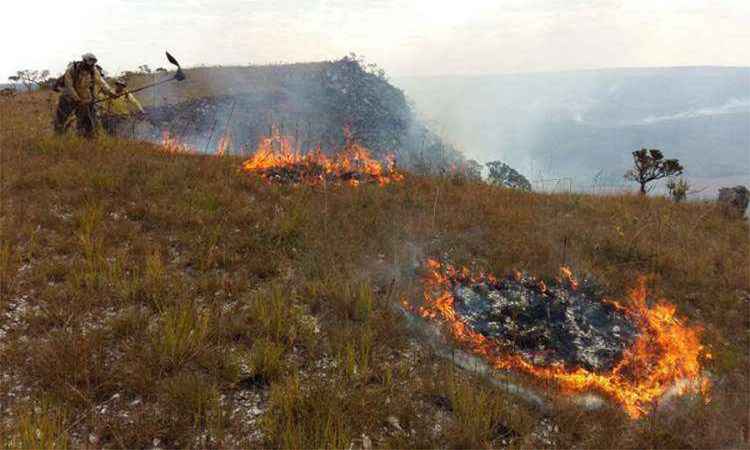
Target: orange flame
x: 280, y: 152
x: 568, y: 276
x: 665, y: 352
x: 174, y: 145
x: 225, y: 143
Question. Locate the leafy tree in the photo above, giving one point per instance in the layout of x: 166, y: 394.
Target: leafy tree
x: 30, y: 78
x: 650, y: 165
x: 502, y: 174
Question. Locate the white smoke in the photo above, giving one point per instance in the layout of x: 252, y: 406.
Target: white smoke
x: 733, y: 106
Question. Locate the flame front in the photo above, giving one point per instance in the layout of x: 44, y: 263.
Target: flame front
x: 277, y: 153
x: 665, y: 352
x: 173, y: 144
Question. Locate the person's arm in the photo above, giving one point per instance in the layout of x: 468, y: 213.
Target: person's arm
x: 99, y: 80
x: 69, y: 86
x: 134, y: 101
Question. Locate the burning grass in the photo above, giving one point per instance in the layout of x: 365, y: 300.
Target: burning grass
x: 585, y: 345
x: 278, y: 159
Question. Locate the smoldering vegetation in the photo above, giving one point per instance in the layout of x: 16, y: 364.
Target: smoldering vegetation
x: 547, y: 325
x: 317, y: 104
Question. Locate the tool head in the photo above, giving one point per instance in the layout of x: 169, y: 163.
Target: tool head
x: 179, y: 75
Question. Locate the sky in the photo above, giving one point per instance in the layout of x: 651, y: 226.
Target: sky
x: 405, y: 37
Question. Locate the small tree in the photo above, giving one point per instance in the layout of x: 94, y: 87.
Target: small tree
x: 502, y: 174
x: 678, y: 189
x: 650, y: 165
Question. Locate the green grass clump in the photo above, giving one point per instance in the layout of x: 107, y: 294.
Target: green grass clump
x: 39, y: 425
x: 266, y: 360
x: 305, y: 417
x: 181, y: 334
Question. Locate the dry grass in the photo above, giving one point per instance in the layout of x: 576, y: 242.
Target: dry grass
x: 161, y: 286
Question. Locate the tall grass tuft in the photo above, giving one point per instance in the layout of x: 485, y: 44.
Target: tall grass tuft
x: 309, y: 417
x: 39, y: 426
x: 181, y: 334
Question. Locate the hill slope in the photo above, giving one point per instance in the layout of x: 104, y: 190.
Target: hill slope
x: 152, y: 299
x: 316, y: 103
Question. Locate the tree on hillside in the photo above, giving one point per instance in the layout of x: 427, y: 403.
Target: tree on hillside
x: 30, y: 78
x: 502, y: 174
x: 650, y: 165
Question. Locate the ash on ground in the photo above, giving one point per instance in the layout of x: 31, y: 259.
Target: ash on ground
x: 547, y: 325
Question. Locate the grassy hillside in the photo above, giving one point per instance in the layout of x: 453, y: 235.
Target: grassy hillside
x: 151, y: 299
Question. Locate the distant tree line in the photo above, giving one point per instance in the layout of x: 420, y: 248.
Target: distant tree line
x: 31, y: 79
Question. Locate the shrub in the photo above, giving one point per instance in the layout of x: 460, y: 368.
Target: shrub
x: 650, y: 165
x: 678, y: 189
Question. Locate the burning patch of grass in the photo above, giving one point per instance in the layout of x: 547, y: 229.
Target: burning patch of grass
x: 664, y: 354
x: 278, y: 159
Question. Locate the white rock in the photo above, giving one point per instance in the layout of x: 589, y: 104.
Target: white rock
x: 366, y: 442
x: 393, y: 422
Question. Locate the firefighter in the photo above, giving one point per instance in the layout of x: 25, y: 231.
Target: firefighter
x: 80, y: 83
x: 117, y: 109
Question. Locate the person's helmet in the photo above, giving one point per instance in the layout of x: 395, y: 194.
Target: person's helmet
x: 89, y: 58
x: 121, y: 82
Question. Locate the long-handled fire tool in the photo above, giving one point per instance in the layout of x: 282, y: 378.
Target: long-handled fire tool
x: 178, y: 76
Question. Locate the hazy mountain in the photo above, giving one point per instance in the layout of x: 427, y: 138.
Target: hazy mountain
x: 584, y: 123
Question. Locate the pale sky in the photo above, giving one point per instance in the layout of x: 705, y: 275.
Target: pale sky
x: 407, y: 37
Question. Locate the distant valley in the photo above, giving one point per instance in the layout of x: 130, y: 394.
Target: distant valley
x: 583, y: 125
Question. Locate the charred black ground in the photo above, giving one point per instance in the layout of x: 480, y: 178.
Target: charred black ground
x: 557, y: 324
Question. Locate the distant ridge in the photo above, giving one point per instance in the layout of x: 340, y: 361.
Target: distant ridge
x: 581, y: 124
